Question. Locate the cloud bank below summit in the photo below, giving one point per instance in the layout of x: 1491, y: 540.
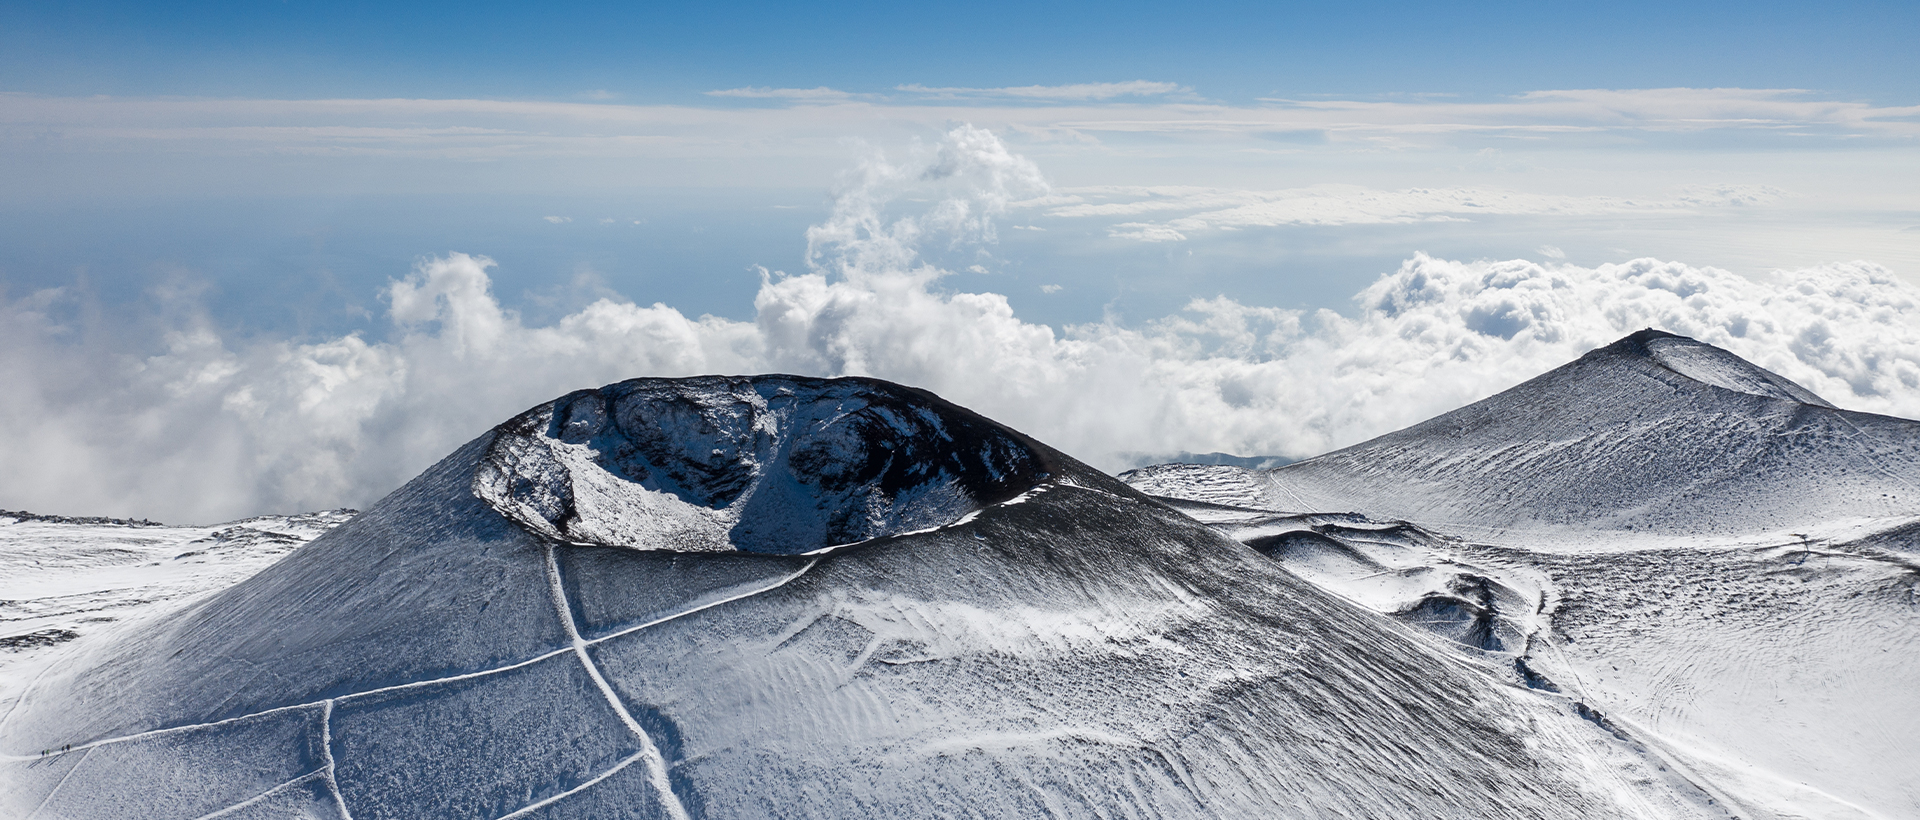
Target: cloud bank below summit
x: 211, y: 427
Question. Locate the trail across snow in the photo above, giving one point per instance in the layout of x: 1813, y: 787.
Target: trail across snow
x: 649, y: 755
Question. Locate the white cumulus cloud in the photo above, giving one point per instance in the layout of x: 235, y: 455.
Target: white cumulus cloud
x: 208, y: 425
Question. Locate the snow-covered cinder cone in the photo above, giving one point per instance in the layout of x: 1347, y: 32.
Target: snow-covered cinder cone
x: 1708, y: 557
x: 783, y: 597
x: 1655, y: 435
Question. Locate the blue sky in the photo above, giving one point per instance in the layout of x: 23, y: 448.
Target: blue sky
x: 302, y: 250
x: 287, y: 159
x: 671, y: 52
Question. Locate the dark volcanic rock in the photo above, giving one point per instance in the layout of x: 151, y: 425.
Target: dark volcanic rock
x: 771, y: 464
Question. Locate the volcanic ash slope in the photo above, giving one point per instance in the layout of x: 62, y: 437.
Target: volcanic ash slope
x: 788, y: 597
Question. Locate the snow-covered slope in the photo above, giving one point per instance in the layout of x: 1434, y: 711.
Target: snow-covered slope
x: 591, y: 621
x: 1722, y: 565
x: 62, y: 577
x: 1779, y: 675
x: 1655, y: 435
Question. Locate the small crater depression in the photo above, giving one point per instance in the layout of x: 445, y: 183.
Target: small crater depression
x: 1309, y: 548
x: 769, y: 464
x: 1473, y: 610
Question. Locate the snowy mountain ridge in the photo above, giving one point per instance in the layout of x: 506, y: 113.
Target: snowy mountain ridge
x: 1653, y: 437
x: 1710, y: 365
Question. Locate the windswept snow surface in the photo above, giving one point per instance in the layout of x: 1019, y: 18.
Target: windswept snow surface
x: 1712, y: 561
x: 1036, y: 639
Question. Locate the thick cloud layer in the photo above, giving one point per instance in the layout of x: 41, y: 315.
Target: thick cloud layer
x: 210, y: 427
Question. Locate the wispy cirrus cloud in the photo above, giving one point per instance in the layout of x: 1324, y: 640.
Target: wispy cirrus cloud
x: 1069, y: 118
x: 1588, y: 110
x: 765, y: 93
x: 916, y: 93
x: 1145, y: 232
x: 1074, y: 91
x: 1357, y: 205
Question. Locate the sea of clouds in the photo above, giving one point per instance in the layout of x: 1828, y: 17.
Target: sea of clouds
x: 205, y: 427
